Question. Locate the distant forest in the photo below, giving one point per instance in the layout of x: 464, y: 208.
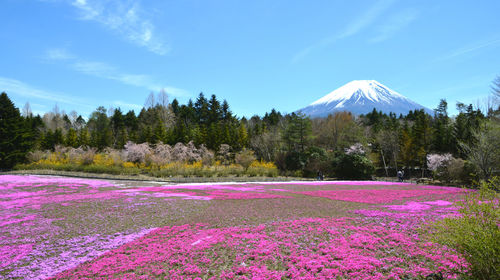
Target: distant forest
x: 341, y: 145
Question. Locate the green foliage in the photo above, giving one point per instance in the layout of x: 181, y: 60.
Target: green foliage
x: 298, y: 132
x: 293, y: 142
x: 316, y: 160
x: 475, y: 233
x: 14, y: 136
x: 353, y: 166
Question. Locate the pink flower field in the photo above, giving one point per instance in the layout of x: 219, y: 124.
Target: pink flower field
x: 71, y: 228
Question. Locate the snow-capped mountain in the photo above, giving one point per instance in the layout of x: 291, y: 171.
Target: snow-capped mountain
x: 360, y: 97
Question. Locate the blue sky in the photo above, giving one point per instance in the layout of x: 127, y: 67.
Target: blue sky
x: 258, y: 55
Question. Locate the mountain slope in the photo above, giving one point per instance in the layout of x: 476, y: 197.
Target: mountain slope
x: 360, y: 97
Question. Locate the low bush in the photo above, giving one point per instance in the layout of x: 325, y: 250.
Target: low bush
x: 475, y: 232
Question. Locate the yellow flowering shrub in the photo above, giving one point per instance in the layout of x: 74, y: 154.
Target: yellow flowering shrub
x: 104, y: 160
x: 128, y: 164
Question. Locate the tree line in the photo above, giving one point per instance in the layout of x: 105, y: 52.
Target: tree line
x: 341, y: 145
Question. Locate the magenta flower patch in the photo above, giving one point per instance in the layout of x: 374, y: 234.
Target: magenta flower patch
x: 308, y: 248
x: 69, y: 228
x: 377, y: 196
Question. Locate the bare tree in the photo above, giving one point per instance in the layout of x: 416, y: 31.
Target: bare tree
x: 167, y: 116
x: 495, y: 88
x: 162, y: 98
x: 111, y: 111
x: 485, y: 154
x: 338, y: 131
x: 27, y: 110
x: 73, y: 116
x: 150, y: 101
x: 266, y: 145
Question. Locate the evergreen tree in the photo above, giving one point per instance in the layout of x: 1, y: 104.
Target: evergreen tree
x: 214, y: 110
x: 442, y: 130
x: 242, y: 136
x: 227, y: 115
x: 34, y: 126
x: 83, y: 137
x: 466, y: 124
x: 297, y: 132
x: 101, y: 132
x: 175, y: 106
x: 160, y: 133
x: 13, y: 134
x: 422, y: 137
x: 58, y: 137
x: 202, y: 109
x: 71, y: 138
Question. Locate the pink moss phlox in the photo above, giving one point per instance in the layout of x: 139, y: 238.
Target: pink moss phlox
x: 13, y: 253
x: 162, y: 193
x: 439, y: 202
x: 239, y: 187
x: 376, y: 196
x: 311, y: 248
x: 9, y: 219
x: 29, y: 180
x: 350, y: 183
x: 220, y: 195
x: 48, y: 259
x: 410, y: 206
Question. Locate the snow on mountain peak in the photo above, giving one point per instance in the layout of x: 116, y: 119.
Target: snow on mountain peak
x: 360, y: 89
x: 361, y: 97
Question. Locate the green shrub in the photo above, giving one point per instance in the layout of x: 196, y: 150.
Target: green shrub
x: 353, y: 166
x: 475, y: 233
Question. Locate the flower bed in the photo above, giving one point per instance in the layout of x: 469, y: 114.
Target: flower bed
x: 69, y: 228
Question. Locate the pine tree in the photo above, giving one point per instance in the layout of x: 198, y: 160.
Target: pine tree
x: 83, y: 137
x: 71, y: 138
x: 13, y: 134
x: 242, y: 136
x: 297, y: 132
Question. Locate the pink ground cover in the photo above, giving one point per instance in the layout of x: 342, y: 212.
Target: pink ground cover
x: 208, y: 192
x: 10, y: 181
x: 235, y: 187
x: 350, y: 183
x: 18, y: 191
x: 13, y: 253
x: 300, y: 249
x: 379, y: 243
x: 377, y: 196
x: 221, y: 195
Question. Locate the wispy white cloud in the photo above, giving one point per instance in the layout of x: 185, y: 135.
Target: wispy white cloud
x: 366, y: 19
x: 394, y: 23
x: 125, y: 105
x: 58, y: 54
x: 106, y: 71
x: 125, y: 18
x: 475, y: 47
x: 354, y: 27
x: 16, y: 87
